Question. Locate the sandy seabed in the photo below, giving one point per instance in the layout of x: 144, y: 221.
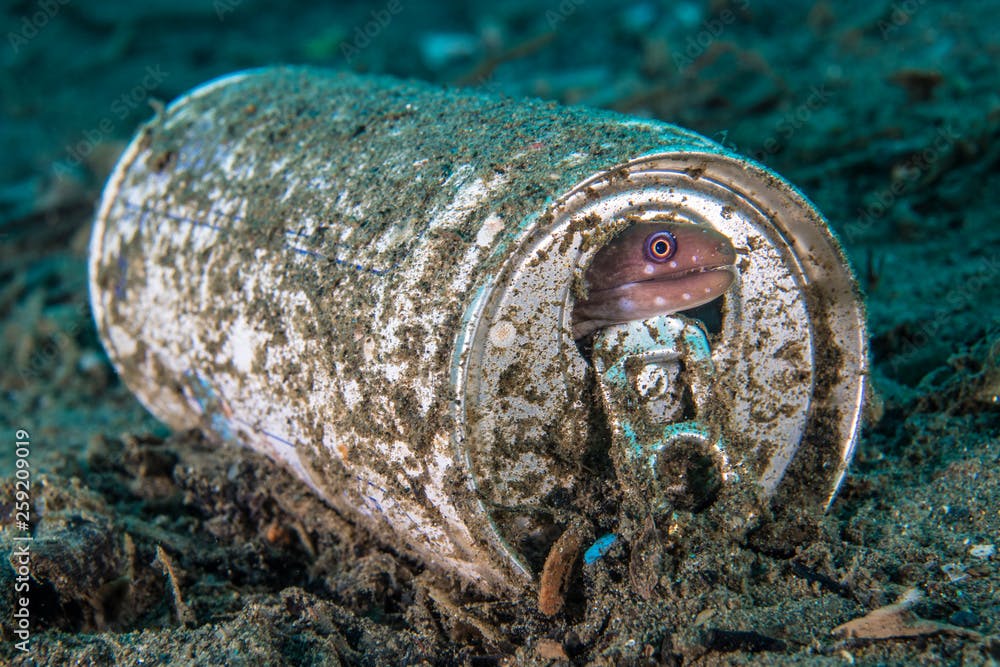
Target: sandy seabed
x: 158, y: 548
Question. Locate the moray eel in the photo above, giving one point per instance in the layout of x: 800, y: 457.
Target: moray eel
x: 654, y: 269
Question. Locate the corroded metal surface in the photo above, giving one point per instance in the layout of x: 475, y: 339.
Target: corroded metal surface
x: 372, y: 281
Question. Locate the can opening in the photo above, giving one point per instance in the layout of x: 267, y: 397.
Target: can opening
x: 653, y: 265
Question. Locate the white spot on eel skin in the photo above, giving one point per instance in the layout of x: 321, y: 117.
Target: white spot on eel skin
x: 660, y: 301
x: 649, y: 269
x: 686, y: 296
x: 673, y: 264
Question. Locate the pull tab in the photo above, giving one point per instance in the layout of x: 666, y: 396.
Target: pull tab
x: 656, y: 378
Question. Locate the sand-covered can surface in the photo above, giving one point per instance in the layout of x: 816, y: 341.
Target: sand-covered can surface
x: 372, y: 282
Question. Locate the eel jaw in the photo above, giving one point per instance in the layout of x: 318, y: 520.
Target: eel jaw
x: 648, y: 298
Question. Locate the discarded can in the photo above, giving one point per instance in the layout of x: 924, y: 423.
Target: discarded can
x: 373, y: 281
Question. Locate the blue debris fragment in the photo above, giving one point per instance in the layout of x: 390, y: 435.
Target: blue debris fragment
x: 599, y: 548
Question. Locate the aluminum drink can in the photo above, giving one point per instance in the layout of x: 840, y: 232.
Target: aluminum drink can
x: 371, y: 281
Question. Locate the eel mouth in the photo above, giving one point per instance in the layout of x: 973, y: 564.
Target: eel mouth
x: 639, y: 300
x: 673, y: 278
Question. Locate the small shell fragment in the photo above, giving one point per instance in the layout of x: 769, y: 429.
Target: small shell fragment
x: 897, y: 620
x: 982, y: 550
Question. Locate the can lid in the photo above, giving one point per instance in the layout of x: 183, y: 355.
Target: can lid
x: 787, y: 343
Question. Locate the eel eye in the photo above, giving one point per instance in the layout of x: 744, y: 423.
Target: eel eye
x: 660, y: 246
